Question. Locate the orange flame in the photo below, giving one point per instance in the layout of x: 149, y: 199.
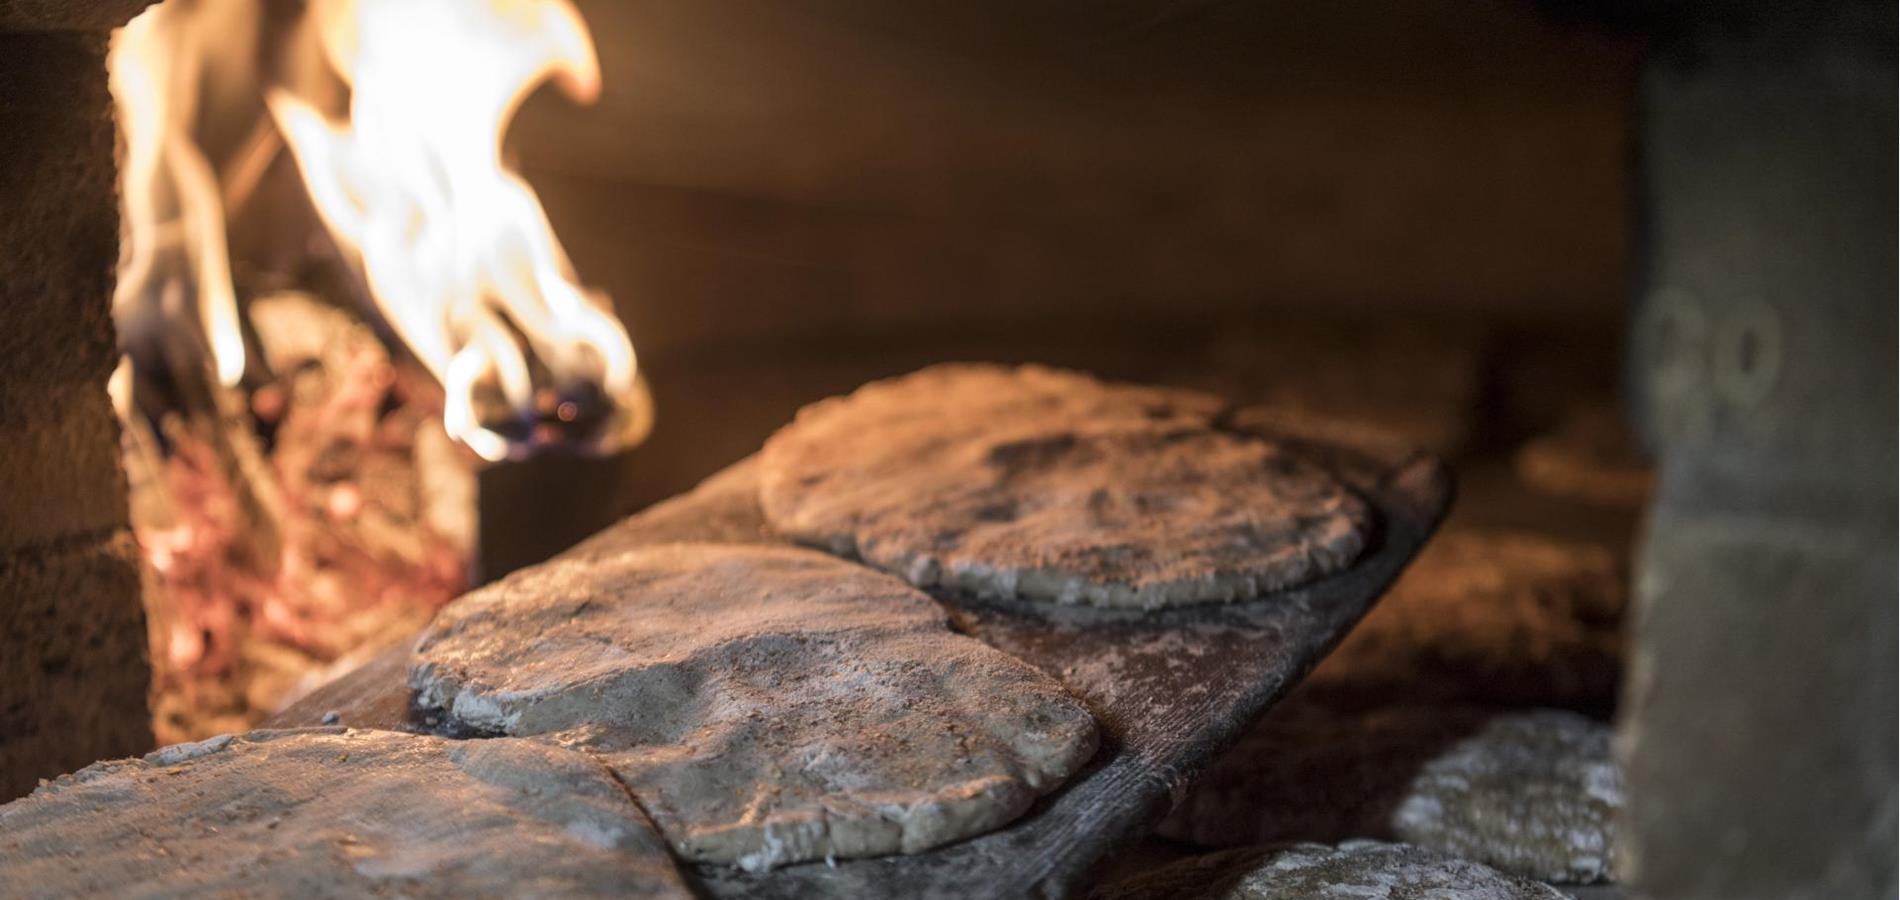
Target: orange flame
x: 454, y: 247
x: 173, y: 252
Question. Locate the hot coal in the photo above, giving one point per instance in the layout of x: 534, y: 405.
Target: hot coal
x: 270, y: 562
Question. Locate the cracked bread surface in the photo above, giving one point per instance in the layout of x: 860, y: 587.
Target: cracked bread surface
x: 1043, y: 484
x: 766, y: 704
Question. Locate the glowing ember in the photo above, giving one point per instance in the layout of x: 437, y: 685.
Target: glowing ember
x: 359, y: 558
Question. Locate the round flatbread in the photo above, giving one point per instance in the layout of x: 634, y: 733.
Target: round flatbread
x: 1535, y: 793
x: 1037, y: 483
x: 336, y: 813
x: 1356, y: 870
x: 767, y: 705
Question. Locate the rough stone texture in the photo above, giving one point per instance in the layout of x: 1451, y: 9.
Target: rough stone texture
x: 60, y: 236
x: 73, y: 649
x: 1531, y: 793
x: 768, y: 705
x: 73, y: 678
x: 59, y: 473
x: 1356, y: 870
x: 336, y: 813
x: 1490, y: 617
x: 1758, y: 739
x: 1759, y: 736
x: 1044, y: 484
x: 68, y: 15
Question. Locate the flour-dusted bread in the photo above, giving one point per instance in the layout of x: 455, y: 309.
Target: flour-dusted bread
x: 336, y: 813
x: 1038, y: 483
x: 767, y: 705
x: 1535, y: 793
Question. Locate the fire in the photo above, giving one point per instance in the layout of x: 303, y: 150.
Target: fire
x: 305, y: 494
x: 452, y: 245
x: 173, y: 260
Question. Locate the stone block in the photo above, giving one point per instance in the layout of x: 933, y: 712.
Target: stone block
x: 60, y: 474
x: 60, y: 232
x: 73, y: 671
x: 1759, y: 744
x: 73, y: 677
x: 1758, y: 729
x: 68, y: 15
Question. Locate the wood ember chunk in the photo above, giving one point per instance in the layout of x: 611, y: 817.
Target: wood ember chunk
x: 1356, y: 870
x: 767, y: 705
x: 1534, y: 793
x: 1043, y: 484
x: 332, y: 812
